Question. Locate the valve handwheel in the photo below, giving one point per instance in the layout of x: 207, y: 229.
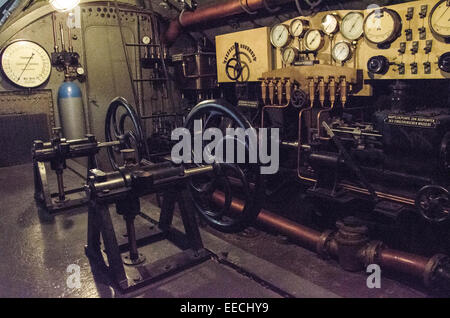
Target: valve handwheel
x: 235, y: 67
x: 227, y: 179
x: 120, y: 129
x: 433, y: 203
x: 299, y: 98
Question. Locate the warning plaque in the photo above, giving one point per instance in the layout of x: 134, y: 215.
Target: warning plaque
x: 411, y: 121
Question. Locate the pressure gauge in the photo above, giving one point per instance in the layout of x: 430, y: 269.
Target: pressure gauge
x: 352, y: 26
x: 298, y: 27
x: 279, y: 35
x: 146, y: 40
x: 289, y: 55
x: 382, y: 26
x: 330, y: 24
x: 440, y: 19
x: 80, y: 71
x: 342, y: 51
x: 26, y: 64
x: 313, y: 40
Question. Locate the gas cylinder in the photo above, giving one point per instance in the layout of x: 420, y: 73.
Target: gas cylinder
x: 71, y: 112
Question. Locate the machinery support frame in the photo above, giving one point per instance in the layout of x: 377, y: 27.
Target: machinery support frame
x: 131, y: 277
x: 50, y: 200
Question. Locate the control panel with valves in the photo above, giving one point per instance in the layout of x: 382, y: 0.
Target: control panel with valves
x: 403, y: 41
x: 64, y: 58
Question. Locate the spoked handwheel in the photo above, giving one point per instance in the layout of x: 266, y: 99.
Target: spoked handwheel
x: 123, y: 123
x: 212, y: 193
x: 433, y: 203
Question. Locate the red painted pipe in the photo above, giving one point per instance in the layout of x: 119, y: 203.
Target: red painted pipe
x: 399, y: 261
x: 214, y: 12
x: 414, y: 265
x: 295, y: 231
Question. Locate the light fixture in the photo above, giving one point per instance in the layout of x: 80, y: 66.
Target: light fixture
x: 64, y: 5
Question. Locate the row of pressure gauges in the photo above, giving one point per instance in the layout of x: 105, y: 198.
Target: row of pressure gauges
x: 351, y: 27
x: 342, y: 52
x: 380, y: 27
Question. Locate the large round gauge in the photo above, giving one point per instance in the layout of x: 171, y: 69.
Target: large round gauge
x: 26, y: 64
x: 289, y: 55
x: 440, y: 19
x: 352, y: 26
x: 313, y: 40
x: 382, y: 26
x: 330, y: 24
x: 342, y: 51
x: 279, y: 35
x: 298, y: 27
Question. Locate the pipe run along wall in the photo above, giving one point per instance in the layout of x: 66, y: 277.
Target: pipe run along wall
x: 214, y: 12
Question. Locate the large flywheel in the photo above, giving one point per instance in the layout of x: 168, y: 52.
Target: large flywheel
x: 228, y: 179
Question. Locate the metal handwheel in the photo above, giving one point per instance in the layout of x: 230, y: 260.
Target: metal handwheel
x: 242, y: 180
x: 118, y: 128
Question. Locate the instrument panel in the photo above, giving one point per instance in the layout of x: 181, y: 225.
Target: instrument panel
x: 404, y: 41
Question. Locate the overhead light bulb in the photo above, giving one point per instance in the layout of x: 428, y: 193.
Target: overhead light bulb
x: 64, y: 5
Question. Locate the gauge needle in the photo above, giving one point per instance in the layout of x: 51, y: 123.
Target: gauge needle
x: 26, y: 65
x: 281, y: 34
x: 312, y: 41
x: 443, y: 14
x: 353, y: 25
x: 295, y: 31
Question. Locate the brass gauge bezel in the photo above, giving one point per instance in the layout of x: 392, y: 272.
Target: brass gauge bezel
x: 336, y: 29
x: 305, y: 29
x: 288, y: 41
x: 295, y: 51
x: 430, y: 17
x: 350, y: 50
x: 396, y: 30
x: 322, y: 40
x: 344, y: 21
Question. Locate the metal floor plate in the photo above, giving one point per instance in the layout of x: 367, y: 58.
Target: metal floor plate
x: 37, y: 250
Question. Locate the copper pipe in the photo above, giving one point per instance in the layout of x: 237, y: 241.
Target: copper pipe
x: 399, y: 261
x: 213, y: 12
x: 302, y: 234
x: 288, y: 88
x: 417, y: 266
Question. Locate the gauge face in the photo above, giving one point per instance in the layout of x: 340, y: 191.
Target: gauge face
x: 313, y: 40
x: 26, y: 64
x: 279, y: 35
x: 80, y: 70
x: 382, y: 26
x: 440, y: 19
x: 298, y: 27
x: 342, y: 52
x: 289, y: 55
x: 146, y: 40
x: 330, y: 24
x: 352, y: 26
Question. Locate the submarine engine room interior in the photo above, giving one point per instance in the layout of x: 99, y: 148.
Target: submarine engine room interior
x: 116, y: 118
